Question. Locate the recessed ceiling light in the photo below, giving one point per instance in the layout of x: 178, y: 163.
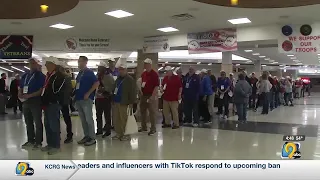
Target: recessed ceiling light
x: 119, y: 14
x: 239, y: 21
x: 61, y: 26
x: 198, y: 62
x: 179, y: 63
x: 263, y: 65
x: 275, y: 63
x: 26, y: 67
x: 4, y: 61
x: 262, y: 56
x: 6, y: 69
x: 167, y: 62
x: 293, y: 58
x: 281, y: 65
x: 249, y: 50
x: 299, y: 63
x: 256, y: 54
x: 17, y: 69
x: 209, y: 64
x: 267, y: 59
x: 290, y: 55
x: 168, y: 29
x: 237, y: 64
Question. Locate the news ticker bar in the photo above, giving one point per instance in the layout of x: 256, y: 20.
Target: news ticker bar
x: 140, y: 170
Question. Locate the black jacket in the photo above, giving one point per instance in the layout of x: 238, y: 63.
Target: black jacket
x: 2, y: 86
x: 14, y: 87
x: 55, y: 90
x: 214, y: 83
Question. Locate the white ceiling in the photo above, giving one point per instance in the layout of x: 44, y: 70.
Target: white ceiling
x: 88, y: 19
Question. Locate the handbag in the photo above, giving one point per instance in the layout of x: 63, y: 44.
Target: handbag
x: 131, y: 126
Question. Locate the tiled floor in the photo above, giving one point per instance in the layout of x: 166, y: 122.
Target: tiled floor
x: 261, y: 138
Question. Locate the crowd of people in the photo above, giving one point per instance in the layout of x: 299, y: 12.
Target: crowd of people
x: 187, y: 99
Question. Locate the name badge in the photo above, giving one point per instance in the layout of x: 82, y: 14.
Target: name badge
x: 116, y: 91
x: 222, y: 87
x: 187, y: 85
x: 143, y: 84
x: 115, y: 77
x: 25, y: 89
x: 78, y: 86
x: 164, y: 87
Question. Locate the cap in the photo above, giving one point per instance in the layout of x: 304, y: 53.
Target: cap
x: 148, y: 61
x: 52, y: 59
x: 204, y: 71
x: 231, y: 74
x: 102, y: 64
x: 168, y: 68
x: 124, y: 66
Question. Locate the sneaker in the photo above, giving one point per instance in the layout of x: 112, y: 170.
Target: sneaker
x: 151, y: 133
x: 53, y: 151
x: 36, y: 146
x: 175, y: 127
x: 166, y: 126
x: 106, y: 134
x: 125, y: 138
x: 291, y: 105
x: 99, y: 133
x: 27, y: 144
x: 142, y: 130
x: 83, y: 140
x: 221, y: 116
x: 90, y: 142
x: 195, y: 125
x: 255, y: 110
x: 68, y: 140
x: 116, y: 137
x: 45, y: 148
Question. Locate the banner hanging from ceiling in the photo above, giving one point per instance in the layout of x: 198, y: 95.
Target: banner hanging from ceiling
x: 15, y: 47
x: 213, y: 41
x: 156, y: 44
x: 298, y: 39
x: 82, y: 44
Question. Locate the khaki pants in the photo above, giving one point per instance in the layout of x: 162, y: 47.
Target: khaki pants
x: 119, y: 117
x: 171, y: 107
x: 211, y: 104
x: 146, y: 103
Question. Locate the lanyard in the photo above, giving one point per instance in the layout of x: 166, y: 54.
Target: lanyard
x: 47, y: 79
x: 55, y: 92
x: 80, y: 75
x: 120, y: 84
x: 189, y: 79
x: 25, y: 80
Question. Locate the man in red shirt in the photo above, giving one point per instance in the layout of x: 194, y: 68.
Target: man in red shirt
x: 172, y: 88
x: 148, y: 101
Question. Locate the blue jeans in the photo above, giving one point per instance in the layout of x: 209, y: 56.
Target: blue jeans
x: 85, y: 113
x: 52, y: 125
x: 265, y: 102
x: 242, y: 111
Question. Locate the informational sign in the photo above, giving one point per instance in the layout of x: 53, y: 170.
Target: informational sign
x: 298, y: 39
x: 156, y: 44
x: 80, y: 44
x: 213, y: 41
x: 15, y: 47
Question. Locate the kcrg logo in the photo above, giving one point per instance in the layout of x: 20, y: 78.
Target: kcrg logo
x: 24, y: 169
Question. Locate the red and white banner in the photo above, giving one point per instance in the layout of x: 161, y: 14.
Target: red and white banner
x: 294, y: 40
x: 213, y: 41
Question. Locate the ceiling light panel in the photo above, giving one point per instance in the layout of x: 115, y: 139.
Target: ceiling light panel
x: 119, y: 14
x: 17, y: 69
x: 168, y: 29
x: 256, y: 54
x: 248, y: 50
x: 290, y: 55
x: 61, y: 26
x: 239, y: 21
x: 262, y: 56
x: 5, y: 69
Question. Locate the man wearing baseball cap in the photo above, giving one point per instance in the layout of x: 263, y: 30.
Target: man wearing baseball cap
x: 112, y: 68
x: 148, y: 101
x: 124, y: 98
x: 53, y: 98
x: 30, y: 90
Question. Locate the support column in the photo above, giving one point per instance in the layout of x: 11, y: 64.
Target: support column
x: 257, y: 68
x: 226, y: 64
x: 140, y: 61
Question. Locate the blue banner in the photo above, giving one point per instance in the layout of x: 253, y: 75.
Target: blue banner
x: 15, y: 47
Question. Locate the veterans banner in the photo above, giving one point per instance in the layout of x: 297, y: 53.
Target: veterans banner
x: 15, y: 47
x: 156, y: 44
x: 212, y: 41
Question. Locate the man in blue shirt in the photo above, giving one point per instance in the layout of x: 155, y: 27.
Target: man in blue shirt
x: 206, y: 95
x: 31, y: 85
x: 86, y: 85
x: 191, y: 88
x: 112, y: 68
x: 223, y: 87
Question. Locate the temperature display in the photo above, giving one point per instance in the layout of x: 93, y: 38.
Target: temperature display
x: 294, y: 138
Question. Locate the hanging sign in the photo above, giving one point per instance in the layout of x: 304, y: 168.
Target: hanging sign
x: 81, y: 44
x: 15, y: 47
x: 298, y: 39
x: 156, y: 44
x: 212, y: 41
